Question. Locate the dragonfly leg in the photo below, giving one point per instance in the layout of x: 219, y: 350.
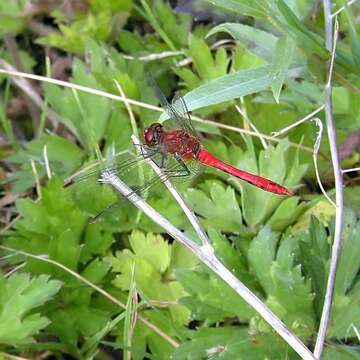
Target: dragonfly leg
x: 182, y: 171
x: 145, y: 151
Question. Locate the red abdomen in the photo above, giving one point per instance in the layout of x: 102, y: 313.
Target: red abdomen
x: 208, y: 159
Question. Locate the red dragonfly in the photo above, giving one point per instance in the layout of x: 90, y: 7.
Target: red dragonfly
x: 178, y: 151
x: 183, y: 143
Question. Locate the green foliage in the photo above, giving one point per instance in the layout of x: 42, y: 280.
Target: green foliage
x: 288, y: 293
x: 150, y: 271
x: 107, y: 18
x: 64, y: 157
x: 150, y: 267
x: 274, y: 68
x: 347, y: 286
x: 20, y: 295
x: 54, y: 227
x: 220, y: 208
x: 230, y: 342
x: 11, y: 17
x: 163, y: 19
x: 84, y: 114
x: 242, y: 83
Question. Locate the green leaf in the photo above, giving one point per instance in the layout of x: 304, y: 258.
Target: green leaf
x: 73, y: 38
x: 291, y: 25
x: 152, y: 248
x: 257, y: 41
x: 96, y: 271
x: 130, y: 313
x: 220, y: 208
x: 230, y: 257
x: 227, y: 87
x: 19, y: 296
x: 281, y: 61
x: 345, y: 315
x: 207, y: 67
x: 288, y: 294
x: 286, y: 213
x: 346, y: 304
x: 354, y: 36
x: 63, y: 157
x: 12, y: 17
x: 170, y: 20
x: 243, y: 7
x: 261, y: 255
x: 86, y: 115
x: 342, y: 352
x: 74, y: 319
x: 319, y: 208
x: 151, y: 258
x: 90, y: 348
x: 349, y: 262
x: 257, y: 204
x: 291, y: 298
x: 110, y: 5
x: 228, y: 343
x: 315, y: 253
x: 212, y: 299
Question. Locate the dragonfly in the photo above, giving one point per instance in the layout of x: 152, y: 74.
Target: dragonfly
x: 177, y: 150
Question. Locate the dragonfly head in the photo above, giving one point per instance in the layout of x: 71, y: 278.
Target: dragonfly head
x: 153, y: 134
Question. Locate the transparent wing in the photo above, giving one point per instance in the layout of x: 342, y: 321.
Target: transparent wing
x: 120, y: 165
x: 177, y: 110
x: 172, y: 169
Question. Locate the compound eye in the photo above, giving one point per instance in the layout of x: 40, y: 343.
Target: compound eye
x: 149, y: 136
x: 152, y: 134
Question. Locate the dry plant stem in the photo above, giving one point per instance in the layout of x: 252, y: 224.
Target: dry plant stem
x: 151, y: 326
x: 27, y: 88
x: 189, y: 214
x: 206, y: 254
x: 299, y: 122
x: 330, y: 40
x: 156, y: 56
x: 46, y: 162
x: 244, y: 115
x: 351, y: 170
x: 315, y: 154
x: 14, y: 270
x: 356, y: 331
x: 350, y: 2
x: 128, y: 109
x: 36, y: 177
x: 88, y: 90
